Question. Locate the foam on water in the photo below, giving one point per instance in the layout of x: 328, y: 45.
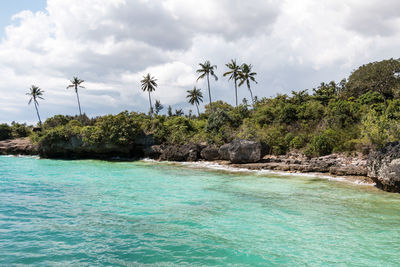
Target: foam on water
x: 221, y: 167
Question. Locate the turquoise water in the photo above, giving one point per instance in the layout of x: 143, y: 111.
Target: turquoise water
x: 128, y: 214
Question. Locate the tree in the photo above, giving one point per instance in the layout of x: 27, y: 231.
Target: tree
x: 149, y: 84
x: 382, y: 77
x: 234, y: 75
x: 206, y: 69
x: 169, y: 111
x: 158, y: 106
x: 35, y: 93
x: 179, y: 112
x: 246, y: 76
x: 75, y: 83
x: 195, y: 96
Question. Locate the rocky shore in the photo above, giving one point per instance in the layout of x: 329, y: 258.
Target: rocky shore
x: 381, y: 167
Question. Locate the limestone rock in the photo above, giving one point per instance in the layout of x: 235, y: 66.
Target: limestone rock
x: 384, y: 167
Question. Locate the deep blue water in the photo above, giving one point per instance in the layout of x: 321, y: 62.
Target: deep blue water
x: 128, y: 214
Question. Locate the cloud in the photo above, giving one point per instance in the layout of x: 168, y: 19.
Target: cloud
x: 111, y: 44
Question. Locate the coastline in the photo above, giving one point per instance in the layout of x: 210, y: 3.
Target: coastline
x: 225, y: 166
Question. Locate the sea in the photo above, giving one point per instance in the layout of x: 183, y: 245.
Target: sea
x: 146, y: 213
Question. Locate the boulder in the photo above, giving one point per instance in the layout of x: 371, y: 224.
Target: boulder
x: 224, y: 152
x: 384, y: 167
x: 241, y: 151
x: 153, y: 152
x: 210, y: 153
x: 188, y: 152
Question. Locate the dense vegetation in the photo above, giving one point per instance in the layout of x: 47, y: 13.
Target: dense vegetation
x: 354, y: 115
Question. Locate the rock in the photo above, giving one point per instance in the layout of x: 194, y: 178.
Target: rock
x: 384, y: 167
x: 19, y: 146
x: 241, y: 151
x: 210, y: 153
x: 153, y: 152
x: 145, y: 140
x: 224, y: 152
x: 188, y: 152
x: 244, y: 151
x: 75, y: 148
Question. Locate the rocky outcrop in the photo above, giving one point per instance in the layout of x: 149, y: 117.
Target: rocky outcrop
x: 188, y: 152
x: 153, y: 152
x: 334, y: 164
x: 210, y: 153
x: 384, y: 167
x: 224, y: 152
x: 20, y: 146
x: 241, y: 151
x: 75, y: 148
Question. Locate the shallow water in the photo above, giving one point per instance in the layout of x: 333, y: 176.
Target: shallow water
x: 144, y: 213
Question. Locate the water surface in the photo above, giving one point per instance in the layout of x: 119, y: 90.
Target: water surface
x: 128, y: 214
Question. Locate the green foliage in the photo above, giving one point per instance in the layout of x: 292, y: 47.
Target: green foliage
x: 121, y: 129
x: 342, y: 113
x: 20, y: 130
x: 322, y: 144
x: 381, y: 77
x: 5, y: 131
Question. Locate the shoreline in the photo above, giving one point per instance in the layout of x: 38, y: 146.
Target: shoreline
x: 225, y: 166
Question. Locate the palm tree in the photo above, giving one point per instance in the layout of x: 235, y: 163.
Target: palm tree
x: 75, y: 83
x: 205, y: 71
x: 234, y: 75
x: 195, y: 97
x: 35, y: 93
x: 149, y: 84
x: 246, y: 76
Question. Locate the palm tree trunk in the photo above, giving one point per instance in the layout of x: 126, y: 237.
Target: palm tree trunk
x: 79, y: 103
x: 251, y: 94
x: 37, y: 112
x: 236, y: 92
x: 151, y: 107
x: 198, y: 112
x: 209, y: 91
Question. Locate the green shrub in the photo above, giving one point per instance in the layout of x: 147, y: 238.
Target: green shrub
x: 5, y: 131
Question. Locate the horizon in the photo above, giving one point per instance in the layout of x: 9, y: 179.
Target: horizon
x: 112, y: 44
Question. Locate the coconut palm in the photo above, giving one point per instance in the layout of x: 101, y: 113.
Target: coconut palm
x: 234, y: 72
x: 149, y: 84
x: 76, y: 83
x: 35, y: 93
x: 206, y: 69
x: 195, y: 96
x: 246, y: 75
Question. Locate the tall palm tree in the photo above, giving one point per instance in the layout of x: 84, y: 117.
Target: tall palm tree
x: 149, y: 84
x: 35, y: 93
x: 195, y: 96
x: 246, y: 75
x: 234, y: 75
x: 76, y: 83
x: 206, y: 69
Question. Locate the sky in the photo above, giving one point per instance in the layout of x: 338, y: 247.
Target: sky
x: 112, y: 44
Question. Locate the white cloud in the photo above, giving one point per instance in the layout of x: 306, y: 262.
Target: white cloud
x: 112, y: 44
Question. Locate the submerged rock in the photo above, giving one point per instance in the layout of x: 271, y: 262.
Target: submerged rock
x: 384, y: 167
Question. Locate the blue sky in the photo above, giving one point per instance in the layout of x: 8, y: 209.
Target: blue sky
x: 112, y: 44
x: 11, y: 7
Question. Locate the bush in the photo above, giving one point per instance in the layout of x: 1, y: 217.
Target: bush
x: 5, y: 131
x: 322, y: 144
